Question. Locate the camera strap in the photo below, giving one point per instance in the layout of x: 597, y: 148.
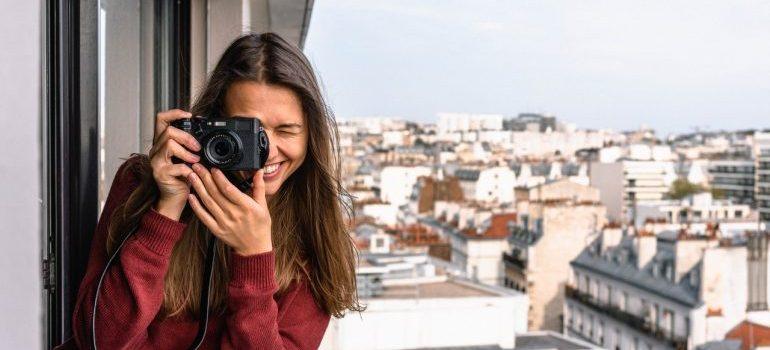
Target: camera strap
x: 242, y: 184
x: 204, y: 297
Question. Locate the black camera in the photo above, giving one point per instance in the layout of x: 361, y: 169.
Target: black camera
x: 231, y: 143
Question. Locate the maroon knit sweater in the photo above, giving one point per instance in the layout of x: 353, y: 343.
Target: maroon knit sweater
x: 132, y: 294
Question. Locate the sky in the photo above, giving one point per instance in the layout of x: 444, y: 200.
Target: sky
x: 671, y: 65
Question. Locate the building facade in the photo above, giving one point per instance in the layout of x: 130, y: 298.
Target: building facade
x: 733, y: 179
x: 762, y: 192
x: 671, y: 291
x: 555, y: 222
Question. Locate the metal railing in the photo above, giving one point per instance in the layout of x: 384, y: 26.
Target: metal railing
x: 631, y: 320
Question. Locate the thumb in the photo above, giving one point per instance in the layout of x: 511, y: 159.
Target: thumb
x: 258, y: 187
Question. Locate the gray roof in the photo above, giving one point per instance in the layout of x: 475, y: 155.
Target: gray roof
x: 467, y: 174
x: 570, y: 169
x: 540, y: 169
x: 728, y: 344
x: 625, y: 270
x: 549, y: 340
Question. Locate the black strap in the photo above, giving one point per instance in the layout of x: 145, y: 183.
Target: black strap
x: 204, y: 301
x: 204, y: 313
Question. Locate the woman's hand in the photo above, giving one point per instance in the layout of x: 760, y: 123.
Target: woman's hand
x: 172, y: 178
x: 241, y: 221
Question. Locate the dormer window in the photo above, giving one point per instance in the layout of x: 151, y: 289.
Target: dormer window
x: 694, y: 278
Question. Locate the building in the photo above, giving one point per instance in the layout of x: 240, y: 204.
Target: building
x: 530, y: 122
x: 676, y: 290
x: 410, y: 304
x: 700, y: 207
x: 487, y: 185
x: 397, y: 183
x: 478, y: 238
x: 627, y: 182
x: 555, y: 222
x: 733, y: 179
x: 762, y: 192
x: 462, y: 122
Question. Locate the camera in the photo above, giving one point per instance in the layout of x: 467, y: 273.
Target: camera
x: 230, y: 143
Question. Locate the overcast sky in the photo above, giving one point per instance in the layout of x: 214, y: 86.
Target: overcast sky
x: 672, y: 65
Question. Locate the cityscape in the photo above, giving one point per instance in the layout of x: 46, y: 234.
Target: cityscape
x: 487, y: 231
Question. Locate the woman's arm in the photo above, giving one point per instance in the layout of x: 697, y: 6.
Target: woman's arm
x: 132, y: 291
x: 253, y: 320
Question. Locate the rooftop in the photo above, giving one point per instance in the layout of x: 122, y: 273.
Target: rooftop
x: 619, y: 263
x: 446, y: 289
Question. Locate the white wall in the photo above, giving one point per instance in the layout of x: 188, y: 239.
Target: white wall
x: 430, y: 323
x: 20, y: 95
x: 397, y: 182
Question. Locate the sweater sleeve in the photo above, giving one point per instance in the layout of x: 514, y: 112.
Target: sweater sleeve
x: 253, y: 320
x: 132, y: 291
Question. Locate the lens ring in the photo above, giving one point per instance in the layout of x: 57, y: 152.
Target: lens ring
x: 222, y: 149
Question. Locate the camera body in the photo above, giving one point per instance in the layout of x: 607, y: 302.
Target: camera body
x: 230, y: 143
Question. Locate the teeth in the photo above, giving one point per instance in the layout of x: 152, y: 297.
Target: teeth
x: 272, y: 168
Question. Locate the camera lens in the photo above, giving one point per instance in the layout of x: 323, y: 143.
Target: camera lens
x: 222, y: 149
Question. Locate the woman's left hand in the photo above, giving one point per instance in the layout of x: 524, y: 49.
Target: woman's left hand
x: 240, y: 221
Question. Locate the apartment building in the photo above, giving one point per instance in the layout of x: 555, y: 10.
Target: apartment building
x: 556, y: 220
x: 734, y: 179
x: 627, y: 182
x: 762, y: 192
x: 676, y: 290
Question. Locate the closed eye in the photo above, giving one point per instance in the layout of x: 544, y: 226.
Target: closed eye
x: 289, y: 128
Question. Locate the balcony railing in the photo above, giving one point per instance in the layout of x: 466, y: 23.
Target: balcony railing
x: 628, y: 319
x: 515, y: 261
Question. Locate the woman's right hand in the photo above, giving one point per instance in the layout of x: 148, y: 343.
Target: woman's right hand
x: 171, y: 178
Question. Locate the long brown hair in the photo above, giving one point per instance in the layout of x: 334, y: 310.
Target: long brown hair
x: 309, y: 212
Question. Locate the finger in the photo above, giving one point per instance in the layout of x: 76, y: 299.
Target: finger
x: 202, y: 214
x: 258, y: 188
x: 163, y: 119
x: 200, y: 189
x: 178, y: 170
x: 176, y: 150
x: 208, y: 181
x: 228, y: 189
x: 183, y: 138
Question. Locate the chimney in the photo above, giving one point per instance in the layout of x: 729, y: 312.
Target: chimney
x: 645, y: 244
x: 611, y: 237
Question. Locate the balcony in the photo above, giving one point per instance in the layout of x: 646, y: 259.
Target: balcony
x: 514, y: 261
x: 630, y: 320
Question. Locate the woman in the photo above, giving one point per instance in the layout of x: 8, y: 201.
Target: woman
x: 285, y: 262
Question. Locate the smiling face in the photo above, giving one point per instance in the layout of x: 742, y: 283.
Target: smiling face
x: 280, y: 111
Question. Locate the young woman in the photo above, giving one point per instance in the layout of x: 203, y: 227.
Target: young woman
x: 285, y: 262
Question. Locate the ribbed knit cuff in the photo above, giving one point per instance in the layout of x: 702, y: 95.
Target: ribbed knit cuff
x: 159, y: 233
x: 257, y: 270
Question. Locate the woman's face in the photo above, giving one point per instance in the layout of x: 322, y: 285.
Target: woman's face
x: 280, y: 111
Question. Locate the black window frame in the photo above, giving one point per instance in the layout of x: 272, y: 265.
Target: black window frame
x: 70, y: 144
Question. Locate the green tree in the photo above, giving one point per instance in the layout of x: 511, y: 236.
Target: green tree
x: 682, y: 188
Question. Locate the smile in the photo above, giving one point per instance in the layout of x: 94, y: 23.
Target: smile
x: 272, y: 170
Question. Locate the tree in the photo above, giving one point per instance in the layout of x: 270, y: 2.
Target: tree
x: 682, y: 188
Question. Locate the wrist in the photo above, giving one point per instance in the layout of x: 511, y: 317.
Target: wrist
x: 169, y: 208
x: 262, y: 248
